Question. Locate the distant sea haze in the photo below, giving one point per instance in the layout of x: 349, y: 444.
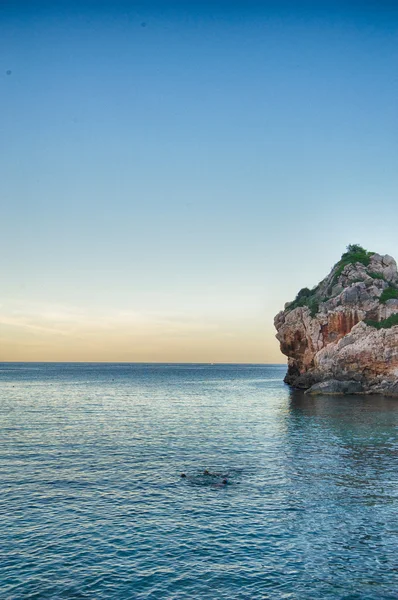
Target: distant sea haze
x: 93, y: 504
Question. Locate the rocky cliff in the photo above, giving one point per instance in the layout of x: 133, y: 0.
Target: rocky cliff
x: 342, y: 336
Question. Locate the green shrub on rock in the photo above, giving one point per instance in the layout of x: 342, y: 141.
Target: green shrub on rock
x: 390, y: 293
x: 385, y: 324
x: 306, y: 297
x: 354, y: 254
x: 377, y: 276
x: 313, y: 305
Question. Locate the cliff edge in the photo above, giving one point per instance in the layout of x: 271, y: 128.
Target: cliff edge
x: 342, y: 336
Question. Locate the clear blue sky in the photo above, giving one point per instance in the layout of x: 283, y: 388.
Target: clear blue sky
x: 173, y: 173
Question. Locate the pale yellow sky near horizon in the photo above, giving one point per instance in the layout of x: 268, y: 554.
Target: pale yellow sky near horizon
x: 62, y: 334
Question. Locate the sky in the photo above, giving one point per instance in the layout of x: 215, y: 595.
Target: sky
x: 173, y: 173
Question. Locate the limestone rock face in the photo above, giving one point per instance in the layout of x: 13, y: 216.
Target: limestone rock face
x: 345, y: 329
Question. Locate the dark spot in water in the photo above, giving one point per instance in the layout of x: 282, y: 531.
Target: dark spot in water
x: 8, y: 72
x: 207, y: 479
x: 143, y: 24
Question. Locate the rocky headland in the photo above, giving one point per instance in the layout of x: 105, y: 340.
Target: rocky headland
x: 342, y: 336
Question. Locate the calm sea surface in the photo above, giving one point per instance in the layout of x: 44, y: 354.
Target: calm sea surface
x: 92, y: 504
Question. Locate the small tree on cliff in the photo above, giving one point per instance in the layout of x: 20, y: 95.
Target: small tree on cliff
x: 354, y: 249
x: 355, y: 253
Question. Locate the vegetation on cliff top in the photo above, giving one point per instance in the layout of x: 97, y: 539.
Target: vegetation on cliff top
x: 310, y: 298
x: 354, y: 254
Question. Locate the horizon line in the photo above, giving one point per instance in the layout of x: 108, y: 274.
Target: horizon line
x: 71, y: 362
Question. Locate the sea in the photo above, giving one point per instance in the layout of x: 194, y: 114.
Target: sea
x: 299, y: 499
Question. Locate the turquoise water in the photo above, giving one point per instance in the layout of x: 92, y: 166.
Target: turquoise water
x: 92, y: 504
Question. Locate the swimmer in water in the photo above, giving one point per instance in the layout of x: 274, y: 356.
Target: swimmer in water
x: 183, y: 475
x: 206, y: 472
x: 224, y: 481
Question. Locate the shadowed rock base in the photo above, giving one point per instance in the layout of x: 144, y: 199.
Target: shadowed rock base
x: 335, y: 387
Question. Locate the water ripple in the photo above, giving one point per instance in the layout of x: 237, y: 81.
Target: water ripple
x: 93, y: 505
